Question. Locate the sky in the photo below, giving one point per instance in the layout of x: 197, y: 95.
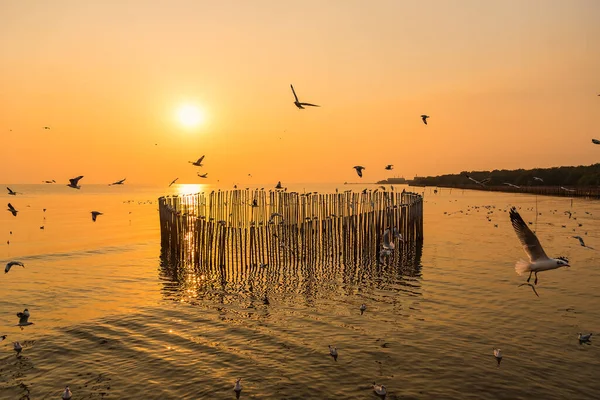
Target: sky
x: 507, y: 84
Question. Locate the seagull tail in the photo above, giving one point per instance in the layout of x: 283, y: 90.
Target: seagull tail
x: 522, y: 266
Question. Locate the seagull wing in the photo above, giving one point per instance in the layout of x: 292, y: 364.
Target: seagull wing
x: 174, y: 180
x: 530, y: 242
x: 75, y: 180
x: 309, y: 104
x: 11, y: 208
x: 200, y: 160
x: 23, y: 318
x: 595, y: 141
x: 293, y: 91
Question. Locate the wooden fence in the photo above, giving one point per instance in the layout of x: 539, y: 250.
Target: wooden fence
x: 239, y: 229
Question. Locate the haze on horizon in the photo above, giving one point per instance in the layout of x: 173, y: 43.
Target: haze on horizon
x: 508, y: 84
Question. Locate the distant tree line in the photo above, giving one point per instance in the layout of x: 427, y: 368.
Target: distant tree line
x: 583, y: 175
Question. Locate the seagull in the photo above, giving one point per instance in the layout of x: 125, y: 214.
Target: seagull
x: 596, y: 141
x: 498, y: 355
x: 278, y: 186
x: 424, y: 118
x: 474, y: 180
x: 203, y: 175
x: 197, y: 163
x: 17, y: 347
x: 387, y: 244
x: 122, y: 181
x: 238, y: 386
x: 12, y: 264
x: 379, y: 389
x: 581, y: 242
x: 297, y: 102
x: 538, y: 260
x: 67, y: 394
x: 538, y: 179
x: 363, y: 307
x: 584, y: 337
x: 568, y: 190
x: 73, y: 183
x: 11, y: 192
x: 12, y: 210
x: 174, y: 180
x: 359, y: 170
x: 333, y: 352
x: 2, y: 338
x: 389, y: 167
x: 24, y: 318
x: 95, y: 215
x: 52, y: 181
x: 511, y: 185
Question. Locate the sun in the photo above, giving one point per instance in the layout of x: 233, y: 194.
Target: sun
x: 190, y: 116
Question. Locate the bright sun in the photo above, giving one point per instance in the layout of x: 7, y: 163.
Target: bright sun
x: 190, y: 116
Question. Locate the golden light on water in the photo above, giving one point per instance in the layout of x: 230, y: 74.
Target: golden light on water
x: 190, y: 188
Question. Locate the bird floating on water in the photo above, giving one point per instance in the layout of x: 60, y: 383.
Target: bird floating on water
x: 379, y: 389
x: 363, y: 307
x: 11, y: 192
x: 333, y: 352
x: 17, y: 347
x: 584, y: 337
x: 74, y: 183
x: 238, y: 386
x: 197, y: 163
x: 67, y: 394
x: 12, y: 264
x: 297, y: 102
x: 95, y: 215
x: 12, y: 210
x: 121, y: 182
x: 424, y: 118
x: 538, y: 260
x: 359, y: 170
x: 498, y: 355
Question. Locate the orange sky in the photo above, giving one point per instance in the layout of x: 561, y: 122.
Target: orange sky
x: 496, y: 77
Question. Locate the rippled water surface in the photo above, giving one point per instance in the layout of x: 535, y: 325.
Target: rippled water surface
x: 115, y: 318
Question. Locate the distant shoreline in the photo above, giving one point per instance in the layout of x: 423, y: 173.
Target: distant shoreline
x: 592, y: 192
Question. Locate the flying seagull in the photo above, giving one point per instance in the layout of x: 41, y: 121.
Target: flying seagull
x: 12, y: 264
x: 11, y: 192
x: 121, y: 182
x: 203, y: 175
x: 581, y: 242
x: 424, y: 118
x: 24, y: 318
x: 538, y: 179
x: 52, y: 181
x: 568, y: 190
x: 95, y: 215
x: 511, y: 185
x: 359, y: 170
x: 74, y: 183
x: 538, y: 260
x: 174, y: 180
x: 46, y: 127
x: 197, y: 163
x: 389, y: 167
x: 12, y: 210
x: 584, y: 337
x: 596, y: 141
x: 297, y: 102
x: 474, y: 180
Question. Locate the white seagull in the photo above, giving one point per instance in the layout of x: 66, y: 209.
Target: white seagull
x: 121, y: 182
x: 511, y: 185
x: 498, y: 355
x: 12, y: 210
x: 379, y: 389
x: 474, y: 180
x: 24, y: 318
x: 95, y: 215
x: 424, y: 118
x: 67, y: 394
x: 74, y: 183
x: 197, y: 163
x: 12, y: 264
x: 238, y: 386
x: 538, y: 179
x: 359, y: 170
x: 584, y: 337
x: 297, y: 102
x: 333, y: 352
x: 568, y: 190
x: 538, y: 260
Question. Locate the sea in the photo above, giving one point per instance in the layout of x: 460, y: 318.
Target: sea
x: 116, y: 319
